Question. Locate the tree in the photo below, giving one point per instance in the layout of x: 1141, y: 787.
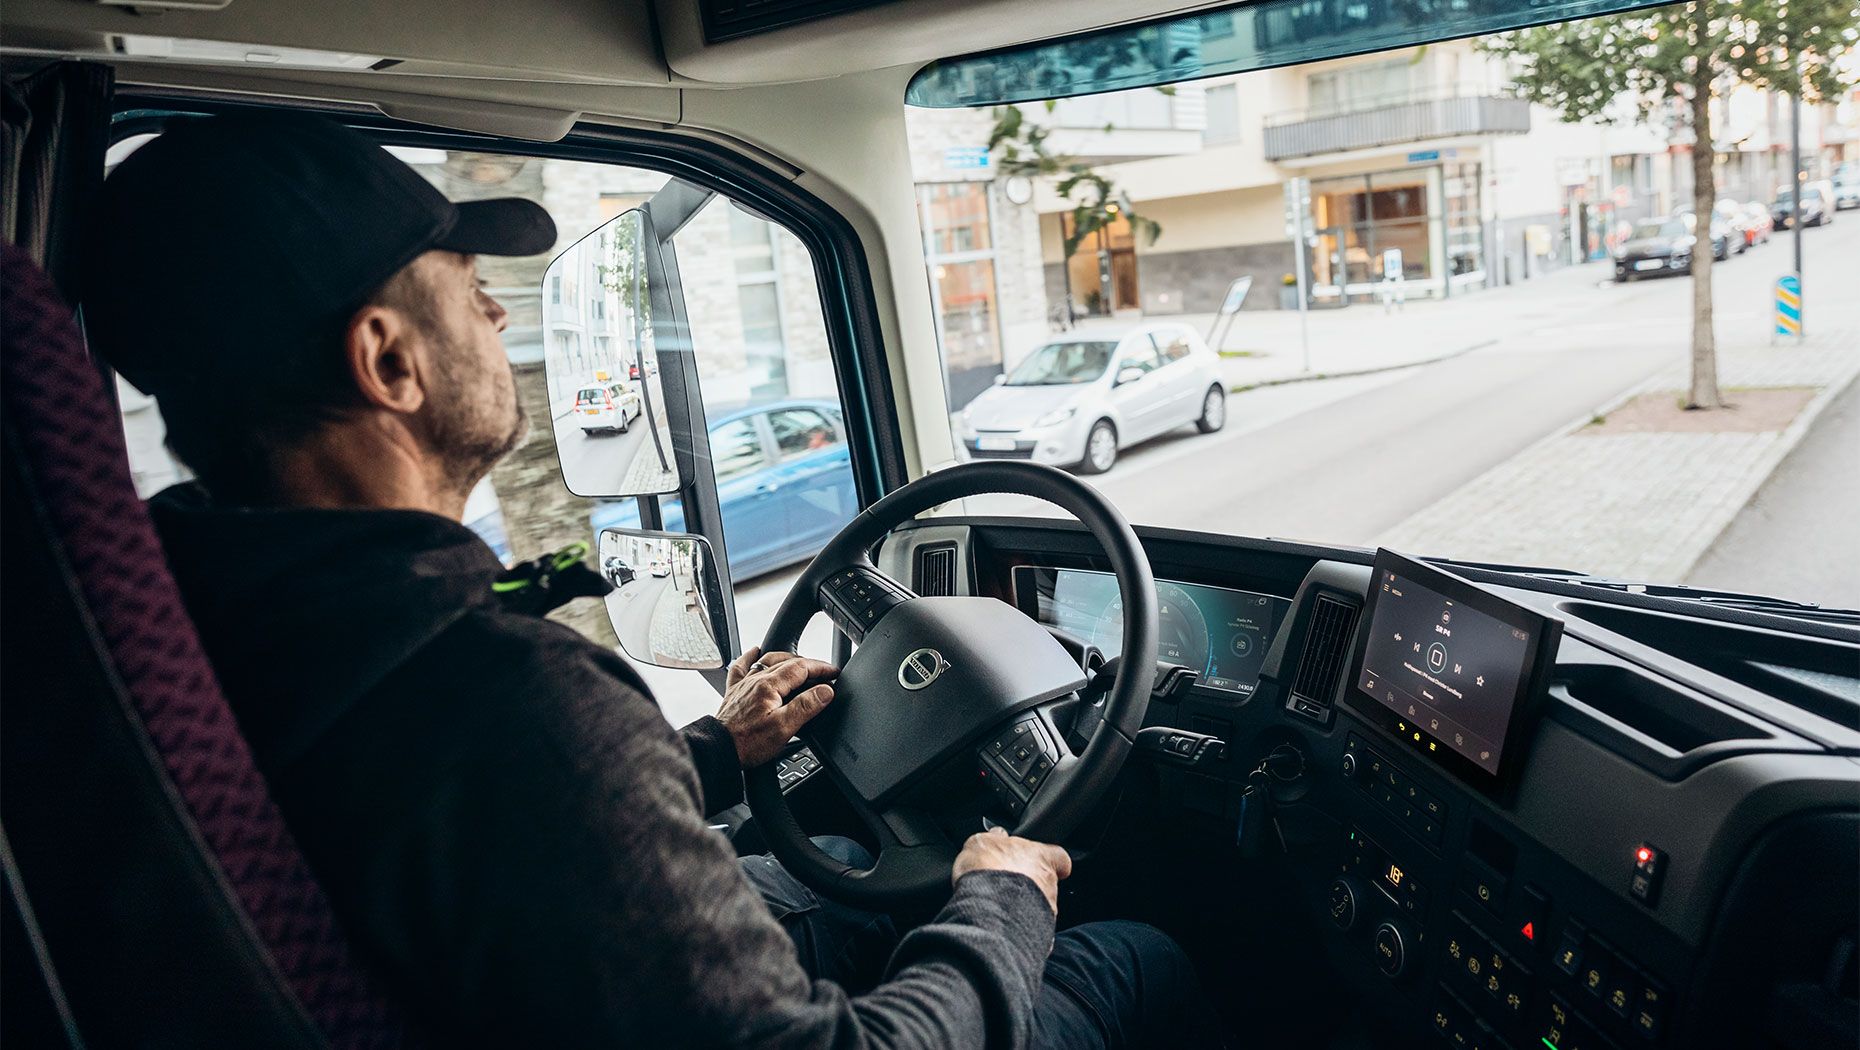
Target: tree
x: 1674, y: 59
x: 1021, y: 147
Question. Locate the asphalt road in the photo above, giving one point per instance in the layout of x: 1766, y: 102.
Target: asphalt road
x: 1797, y: 537
x: 631, y: 608
x: 597, y: 464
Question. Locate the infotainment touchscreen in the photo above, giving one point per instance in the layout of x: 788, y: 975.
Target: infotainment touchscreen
x: 1223, y: 634
x: 1457, y: 667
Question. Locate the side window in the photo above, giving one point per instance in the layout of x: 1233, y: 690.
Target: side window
x: 736, y: 448
x: 760, y: 338
x: 1139, y: 354
x: 1173, y: 345
x: 799, y: 431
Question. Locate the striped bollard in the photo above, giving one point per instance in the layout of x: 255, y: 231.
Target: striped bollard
x: 1789, y: 306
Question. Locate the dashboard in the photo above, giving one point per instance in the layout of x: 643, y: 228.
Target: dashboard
x: 1570, y: 819
x: 1220, y: 633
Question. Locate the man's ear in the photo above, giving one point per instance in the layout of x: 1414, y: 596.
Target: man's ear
x: 383, y: 358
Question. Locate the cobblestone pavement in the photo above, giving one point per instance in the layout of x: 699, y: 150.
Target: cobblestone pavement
x: 1640, y: 506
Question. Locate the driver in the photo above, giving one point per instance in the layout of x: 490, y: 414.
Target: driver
x: 503, y: 821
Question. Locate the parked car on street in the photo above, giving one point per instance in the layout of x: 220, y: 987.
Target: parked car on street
x: 784, y: 479
x: 1815, y: 209
x: 1847, y: 186
x: 617, y: 571
x: 1757, y: 222
x: 661, y: 569
x: 1078, y: 400
x: 1729, y: 215
x: 609, y: 407
x: 1656, y: 247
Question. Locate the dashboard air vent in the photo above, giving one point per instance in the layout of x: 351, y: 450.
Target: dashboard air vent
x: 1321, y: 661
x: 936, y: 571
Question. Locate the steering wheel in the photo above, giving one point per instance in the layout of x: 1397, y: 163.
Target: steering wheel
x: 943, y: 691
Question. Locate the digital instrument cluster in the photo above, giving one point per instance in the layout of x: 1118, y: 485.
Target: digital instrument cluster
x: 1222, y: 634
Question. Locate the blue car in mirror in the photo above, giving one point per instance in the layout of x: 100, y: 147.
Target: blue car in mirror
x: 784, y: 481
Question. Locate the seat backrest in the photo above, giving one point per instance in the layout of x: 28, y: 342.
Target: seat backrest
x: 97, y: 636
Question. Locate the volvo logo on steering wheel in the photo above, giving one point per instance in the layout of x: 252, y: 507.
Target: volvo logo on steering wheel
x: 921, y: 668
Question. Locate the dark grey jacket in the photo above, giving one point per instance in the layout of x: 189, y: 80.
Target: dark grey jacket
x: 508, y: 827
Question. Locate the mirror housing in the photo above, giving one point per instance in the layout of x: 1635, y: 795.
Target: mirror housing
x: 667, y: 603
x: 1128, y: 375
x: 606, y: 396
x: 1001, y: 380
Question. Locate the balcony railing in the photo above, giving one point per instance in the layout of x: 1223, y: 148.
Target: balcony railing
x: 1308, y: 134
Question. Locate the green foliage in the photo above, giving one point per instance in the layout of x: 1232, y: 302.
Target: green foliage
x: 1644, y: 59
x: 1020, y: 147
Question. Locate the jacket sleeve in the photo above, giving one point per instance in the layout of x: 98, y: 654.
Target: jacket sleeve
x: 720, y: 772
x: 571, y: 894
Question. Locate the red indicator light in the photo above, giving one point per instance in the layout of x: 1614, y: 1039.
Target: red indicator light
x: 1643, y: 855
x: 1529, y: 931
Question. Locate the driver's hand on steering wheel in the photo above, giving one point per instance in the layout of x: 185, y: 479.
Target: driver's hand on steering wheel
x: 996, y: 850
x: 768, y: 698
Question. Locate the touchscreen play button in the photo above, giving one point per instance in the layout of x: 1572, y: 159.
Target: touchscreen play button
x: 1452, y: 661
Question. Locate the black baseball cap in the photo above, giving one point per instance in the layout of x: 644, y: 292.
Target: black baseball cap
x: 262, y: 233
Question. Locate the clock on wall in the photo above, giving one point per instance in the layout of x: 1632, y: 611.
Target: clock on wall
x: 1019, y: 189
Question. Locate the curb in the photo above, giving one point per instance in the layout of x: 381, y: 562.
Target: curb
x: 1785, y: 443
x: 1307, y: 377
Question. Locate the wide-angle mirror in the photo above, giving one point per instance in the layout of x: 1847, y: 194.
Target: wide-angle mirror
x: 665, y: 604
x: 606, y: 400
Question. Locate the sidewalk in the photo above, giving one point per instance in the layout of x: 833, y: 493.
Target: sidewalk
x: 1644, y: 502
x: 1264, y: 348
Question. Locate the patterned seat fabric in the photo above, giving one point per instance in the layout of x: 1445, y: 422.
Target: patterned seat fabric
x: 53, y: 396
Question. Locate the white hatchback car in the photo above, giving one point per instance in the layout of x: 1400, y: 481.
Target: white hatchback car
x: 1078, y: 399
x: 611, y: 407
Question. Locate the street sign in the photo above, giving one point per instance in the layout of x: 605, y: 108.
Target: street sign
x: 1297, y: 205
x: 1230, y: 305
x: 1391, y: 264
x: 966, y: 158
x: 1789, y: 305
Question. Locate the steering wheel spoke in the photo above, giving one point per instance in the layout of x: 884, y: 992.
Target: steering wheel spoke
x: 857, y: 596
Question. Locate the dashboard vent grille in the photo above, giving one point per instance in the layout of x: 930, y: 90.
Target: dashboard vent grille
x: 936, y: 571
x: 1320, y: 664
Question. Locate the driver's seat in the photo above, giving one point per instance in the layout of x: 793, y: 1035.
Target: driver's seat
x: 173, y: 905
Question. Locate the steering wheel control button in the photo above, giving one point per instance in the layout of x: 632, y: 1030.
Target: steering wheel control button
x: 1390, y: 949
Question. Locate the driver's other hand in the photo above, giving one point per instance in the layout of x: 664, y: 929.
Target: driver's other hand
x: 996, y: 850
x: 764, y: 709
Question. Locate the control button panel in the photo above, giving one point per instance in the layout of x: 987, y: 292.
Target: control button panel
x: 795, y: 768
x: 1592, y: 996
x: 1017, y: 761
x: 856, y: 599
x: 1397, y: 880
x: 1394, y: 790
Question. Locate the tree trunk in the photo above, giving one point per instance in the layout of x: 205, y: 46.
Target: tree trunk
x: 1704, y: 387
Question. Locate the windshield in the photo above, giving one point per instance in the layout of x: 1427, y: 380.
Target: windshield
x: 1062, y: 364
x: 1658, y: 228
x: 1408, y: 263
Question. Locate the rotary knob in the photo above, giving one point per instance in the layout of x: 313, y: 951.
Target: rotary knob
x: 1349, y: 765
x: 1342, y: 902
x: 1391, y: 949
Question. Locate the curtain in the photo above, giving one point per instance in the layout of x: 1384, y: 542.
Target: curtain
x: 57, y: 128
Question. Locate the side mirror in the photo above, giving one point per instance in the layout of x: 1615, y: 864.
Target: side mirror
x: 1128, y: 375
x: 667, y: 602
x: 606, y: 399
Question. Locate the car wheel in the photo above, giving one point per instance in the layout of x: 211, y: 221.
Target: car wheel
x: 1100, y: 448
x: 1213, y: 411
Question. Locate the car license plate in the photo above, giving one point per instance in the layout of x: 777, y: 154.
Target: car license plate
x: 590, y: 411
x: 995, y: 444
x: 1649, y: 264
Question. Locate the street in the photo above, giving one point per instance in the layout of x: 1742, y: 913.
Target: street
x: 1343, y: 460
x: 605, y: 464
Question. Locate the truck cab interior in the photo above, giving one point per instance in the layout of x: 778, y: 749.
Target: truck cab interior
x: 1382, y: 799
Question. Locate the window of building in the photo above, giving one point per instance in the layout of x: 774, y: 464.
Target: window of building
x: 758, y: 296
x: 959, y: 250
x: 1223, y: 102
x: 1368, y: 86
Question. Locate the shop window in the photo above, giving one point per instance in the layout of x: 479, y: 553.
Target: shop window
x: 959, y: 250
